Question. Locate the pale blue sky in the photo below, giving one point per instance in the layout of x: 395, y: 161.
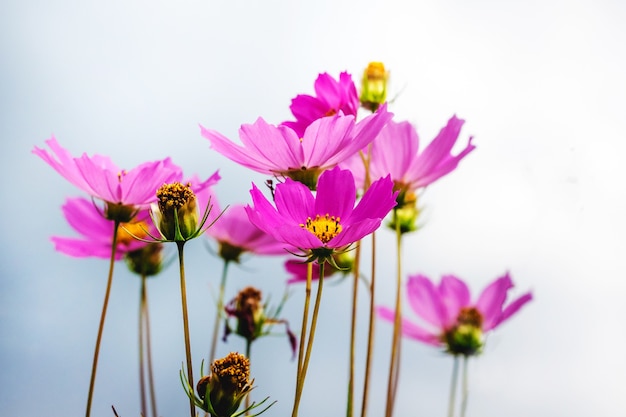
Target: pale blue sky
x: 541, y: 85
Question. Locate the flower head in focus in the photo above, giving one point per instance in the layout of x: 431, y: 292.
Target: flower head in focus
x: 328, y: 222
x: 332, y: 97
x: 457, y: 323
x: 282, y: 152
x: 87, y: 218
x: 374, y: 86
x: 221, y: 392
x: 124, y: 191
x: 253, y: 319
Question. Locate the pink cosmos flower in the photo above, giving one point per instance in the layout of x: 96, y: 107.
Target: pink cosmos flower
x: 332, y: 97
x: 97, y: 232
x: 328, y: 221
x: 453, y: 320
x: 99, y: 177
x: 396, y: 152
x: 281, y: 151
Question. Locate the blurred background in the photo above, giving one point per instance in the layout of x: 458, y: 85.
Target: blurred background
x: 540, y: 84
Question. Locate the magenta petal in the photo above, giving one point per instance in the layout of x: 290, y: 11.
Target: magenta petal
x: 492, y: 299
x: 424, y: 299
x: 236, y: 153
x: 278, y: 145
x: 409, y: 329
x: 81, y: 248
x: 377, y: 202
x: 513, y: 308
x: 328, y: 200
x: 263, y: 215
x: 294, y: 202
x: 455, y: 295
x: 354, y: 232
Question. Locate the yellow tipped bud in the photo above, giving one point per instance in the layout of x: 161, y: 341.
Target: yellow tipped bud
x: 374, y: 86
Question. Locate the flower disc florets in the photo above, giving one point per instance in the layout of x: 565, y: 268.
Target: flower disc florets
x: 179, y: 215
x: 325, y: 228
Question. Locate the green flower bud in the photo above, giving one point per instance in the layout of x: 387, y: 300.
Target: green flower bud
x: 374, y: 86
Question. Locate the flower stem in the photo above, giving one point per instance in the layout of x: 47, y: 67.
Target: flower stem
x: 183, y: 295
x: 305, y: 319
x: 142, y: 380
x: 394, y: 368
x: 146, y: 316
x: 453, y: 384
x: 219, y: 312
x: 309, y: 348
x: 355, y: 286
x: 105, y: 304
x: 465, y: 387
x: 370, y: 338
x: 248, y: 349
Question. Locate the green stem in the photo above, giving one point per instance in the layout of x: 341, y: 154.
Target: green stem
x: 394, y: 368
x: 142, y: 380
x: 465, y: 387
x: 309, y: 348
x: 105, y: 304
x: 248, y: 349
x: 183, y: 295
x: 146, y: 316
x: 220, y: 311
x: 453, y: 384
x: 305, y: 320
x: 355, y: 286
x: 370, y: 338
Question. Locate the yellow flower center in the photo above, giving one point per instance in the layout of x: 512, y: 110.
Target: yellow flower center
x: 325, y: 228
x: 126, y: 232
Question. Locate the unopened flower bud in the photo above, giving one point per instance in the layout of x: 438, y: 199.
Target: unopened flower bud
x: 119, y: 212
x: 228, y: 384
x: 178, y: 213
x: 146, y: 261
x: 374, y: 86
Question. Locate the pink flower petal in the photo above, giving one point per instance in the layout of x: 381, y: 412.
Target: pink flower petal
x: 425, y: 300
x: 409, y: 329
x: 455, y: 295
x: 513, y: 308
x: 492, y: 299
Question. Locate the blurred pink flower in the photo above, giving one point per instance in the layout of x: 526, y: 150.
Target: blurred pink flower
x: 99, y: 177
x: 236, y: 235
x: 281, y: 151
x: 320, y: 224
x: 456, y: 323
x: 332, y: 97
x: 97, y: 232
x: 396, y: 152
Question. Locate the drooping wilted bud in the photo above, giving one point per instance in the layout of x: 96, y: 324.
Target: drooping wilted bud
x: 374, y: 86
x: 248, y: 311
x: 178, y: 213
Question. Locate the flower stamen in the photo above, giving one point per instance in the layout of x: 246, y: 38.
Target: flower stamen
x: 325, y: 228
